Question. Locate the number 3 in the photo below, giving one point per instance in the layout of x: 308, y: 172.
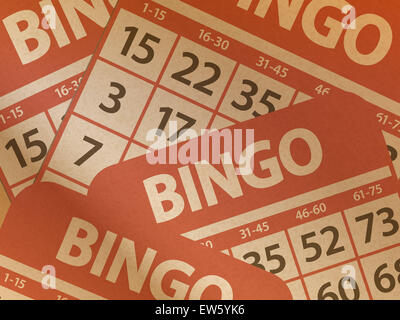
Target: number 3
x: 114, y: 97
x: 256, y: 261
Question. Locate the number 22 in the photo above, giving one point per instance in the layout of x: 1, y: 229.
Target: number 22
x: 201, y: 86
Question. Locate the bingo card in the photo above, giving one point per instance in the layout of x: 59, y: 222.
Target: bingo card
x: 211, y: 64
x: 66, y: 248
x: 320, y: 209
x: 46, y: 46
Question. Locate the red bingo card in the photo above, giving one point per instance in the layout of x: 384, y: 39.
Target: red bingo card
x: 320, y: 207
x: 171, y: 67
x: 46, y: 46
x: 70, y: 248
x: 315, y: 204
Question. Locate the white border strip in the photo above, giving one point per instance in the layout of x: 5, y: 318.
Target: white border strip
x: 288, y: 204
x: 44, y: 83
x: 37, y: 276
x: 282, y: 55
x: 7, y: 294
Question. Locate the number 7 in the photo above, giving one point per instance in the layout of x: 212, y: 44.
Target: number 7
x: 96, y: 147
x: 370, y: 218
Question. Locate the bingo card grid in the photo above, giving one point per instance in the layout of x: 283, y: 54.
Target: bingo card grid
x: 176, y: 75
x: 357, y: 246
x: 33, y: 105
x: 19, y: 168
